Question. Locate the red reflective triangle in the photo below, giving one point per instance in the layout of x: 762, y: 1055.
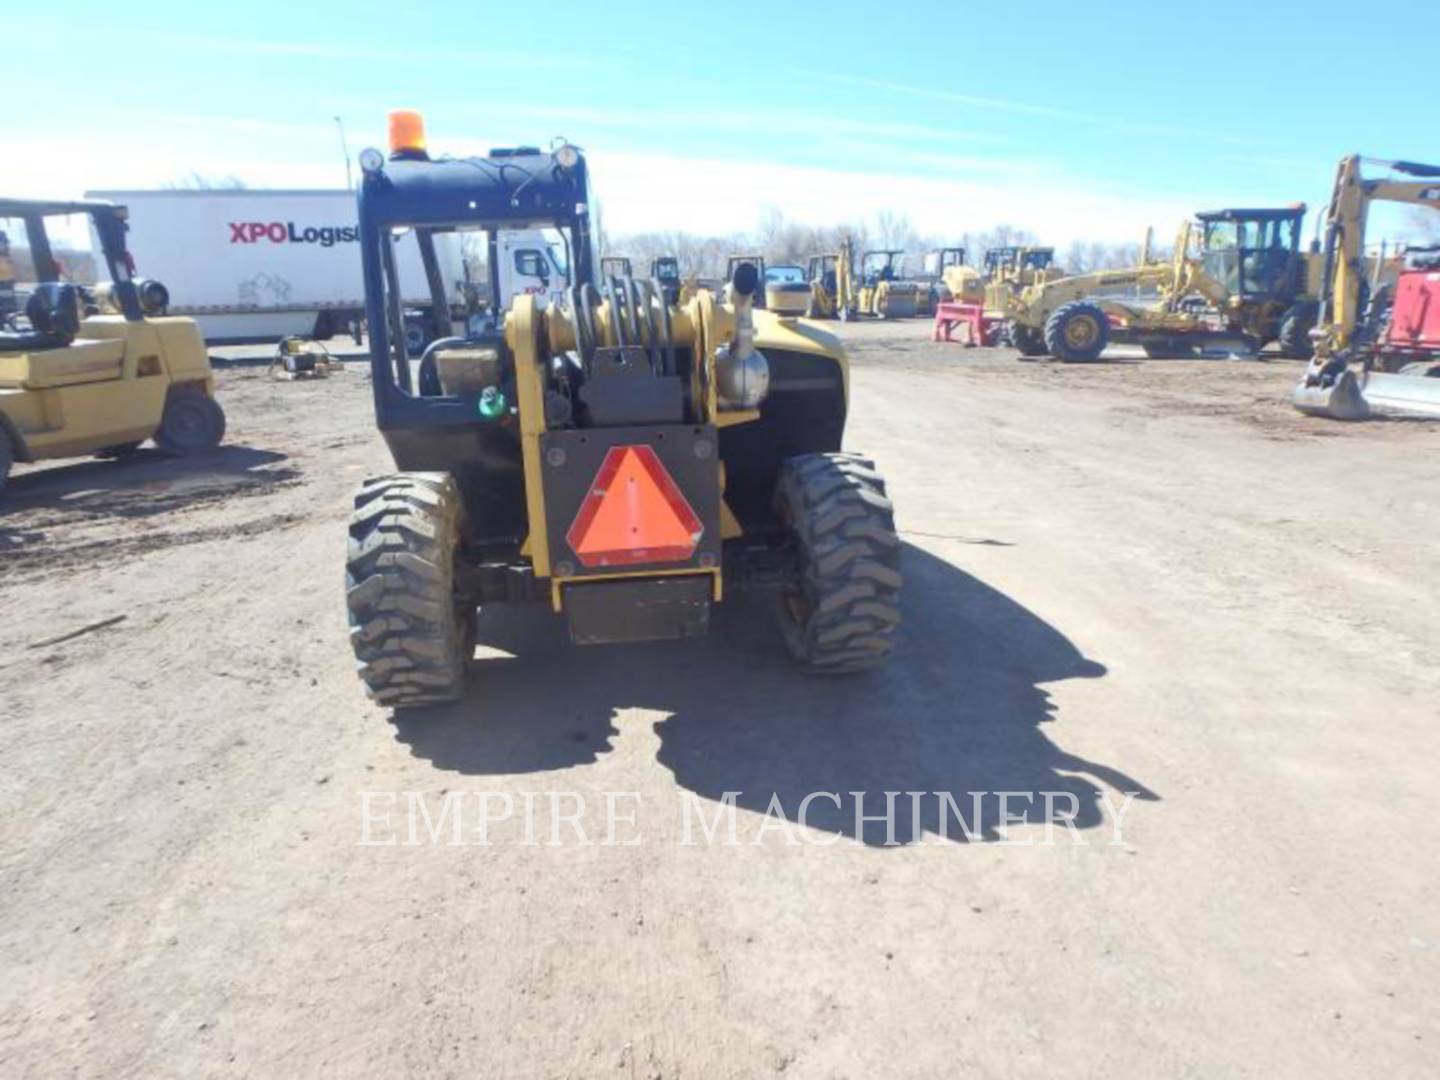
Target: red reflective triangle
x: 633, y: 513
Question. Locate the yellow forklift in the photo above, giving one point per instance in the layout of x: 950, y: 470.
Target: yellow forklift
x: 99, y: 369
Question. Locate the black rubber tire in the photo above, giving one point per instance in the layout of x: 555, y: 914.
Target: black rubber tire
x: 192, y: 422
x: 1029, y: 341
x: 1294, y: 336
x: 7, y: 458
x: 411, y: 636
x: 840, y: 613
x: 119, y: 452
x: 1077, y: 332
x: 417, y: 337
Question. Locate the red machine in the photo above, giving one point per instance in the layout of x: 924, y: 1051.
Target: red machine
x: 1415, y: 315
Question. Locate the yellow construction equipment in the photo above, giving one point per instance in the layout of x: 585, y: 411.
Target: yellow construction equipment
x: 884, y: 292
x: 1377, y: 343
x: 99, y: 370
x: 832, y: 284
x: 625, y: 461
x: 1237, y: 280
x: 787, y: 290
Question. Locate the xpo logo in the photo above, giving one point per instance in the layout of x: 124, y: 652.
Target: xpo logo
x: 287, y: 232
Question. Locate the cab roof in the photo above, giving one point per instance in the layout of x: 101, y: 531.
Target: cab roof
x: 1266, y: 214
x: 513, y: 189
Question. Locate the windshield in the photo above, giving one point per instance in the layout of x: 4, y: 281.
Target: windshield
x: 785, y: 275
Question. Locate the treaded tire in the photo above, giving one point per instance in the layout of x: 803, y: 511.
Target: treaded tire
x: 1077, y: 331
x: 1294, y: 336
x: 412, y: 639
x: 7, y: 458
x: 192, y: 422
x: 1029, y: 341
x: 841, y: 612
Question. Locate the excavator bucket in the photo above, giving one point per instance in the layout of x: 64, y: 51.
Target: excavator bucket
x: 1341, y: 400
x: 1417, y: 394
x: 1357, y: 398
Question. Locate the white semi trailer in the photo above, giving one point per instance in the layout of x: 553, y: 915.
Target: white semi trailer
x: 257, y: 265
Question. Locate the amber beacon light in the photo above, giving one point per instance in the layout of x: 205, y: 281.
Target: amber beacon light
x: 407, y: 134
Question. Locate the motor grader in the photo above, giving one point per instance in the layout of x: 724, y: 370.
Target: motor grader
x: 1236, y: 281
x: 626, y: 461
x: 98, y: 370
x: 1377, y: 342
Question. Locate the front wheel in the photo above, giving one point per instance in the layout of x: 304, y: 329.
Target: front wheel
x: 1077, y: 331
x: 191, y: 423
x: 840, y: 612
x: 412, y: 636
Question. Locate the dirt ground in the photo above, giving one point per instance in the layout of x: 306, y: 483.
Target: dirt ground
x: 1194, y: 631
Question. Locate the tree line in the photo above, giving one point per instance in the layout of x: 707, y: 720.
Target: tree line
x: 785, y: 242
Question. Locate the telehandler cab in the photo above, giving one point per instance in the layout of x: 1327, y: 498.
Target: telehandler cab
x: 627, y: 461
x: 98, y: 370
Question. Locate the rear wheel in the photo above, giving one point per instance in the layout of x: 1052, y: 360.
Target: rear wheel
x: 193, y: 421
x: 412, y: 637
x: 840, y: 613
x: 1029, y: 341
x: 1077, y: 331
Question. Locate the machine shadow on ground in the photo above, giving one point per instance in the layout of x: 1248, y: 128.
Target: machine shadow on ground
x: 125, y: 487
x: 960, y: 709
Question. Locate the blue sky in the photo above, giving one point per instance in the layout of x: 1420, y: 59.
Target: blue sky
x: 1077, y: 121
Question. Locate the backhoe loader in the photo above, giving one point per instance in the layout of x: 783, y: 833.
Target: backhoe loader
x: 99, y: 369
x: 832, y: 284
x: 1020, y: 265
x: 625, y: 461
x: 1377, y: 343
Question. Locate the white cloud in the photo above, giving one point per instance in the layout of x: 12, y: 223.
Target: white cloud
x: 639, y: 191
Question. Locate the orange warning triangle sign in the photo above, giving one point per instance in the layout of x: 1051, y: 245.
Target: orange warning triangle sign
x: 633, y: 513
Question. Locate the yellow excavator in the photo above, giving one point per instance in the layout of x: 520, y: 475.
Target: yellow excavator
x: 1377, y: 343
